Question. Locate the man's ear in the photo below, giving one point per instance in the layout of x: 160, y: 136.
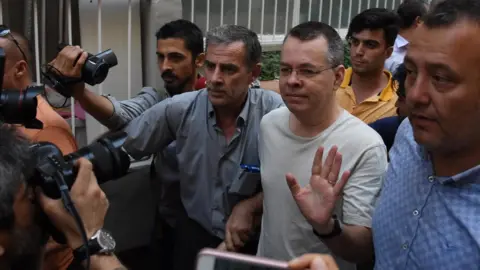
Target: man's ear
x: 389, y: 51
x: 21, y: 69
x: 200, y: 60
x: 339, y: 75
x: 256, y: 70
x: 418, y: 21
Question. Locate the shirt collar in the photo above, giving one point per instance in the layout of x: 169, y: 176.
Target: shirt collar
x: 387, y: 93
x: 242, y: 117
x: 471, y: 174
x: 400, y: 42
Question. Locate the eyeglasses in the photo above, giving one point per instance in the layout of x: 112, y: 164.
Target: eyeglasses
x: 302, y: 72
x: 5, y: 32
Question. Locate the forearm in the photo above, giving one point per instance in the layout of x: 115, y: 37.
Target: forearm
x: 98, y: 106
x: 100, y: 262
x: 354, y: 244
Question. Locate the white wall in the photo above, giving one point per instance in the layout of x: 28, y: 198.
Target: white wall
x: 114, y: 35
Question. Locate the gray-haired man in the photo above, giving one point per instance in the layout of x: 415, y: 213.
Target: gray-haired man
x: 216, y: 133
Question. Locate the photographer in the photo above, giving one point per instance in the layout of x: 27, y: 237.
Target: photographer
x: 180, y: 54
x: 22, y: 232
x: 17, y: 75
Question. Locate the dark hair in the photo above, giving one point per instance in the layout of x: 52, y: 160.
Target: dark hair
x: 409, y: 11
x: 375, y: 19
x: 311, y: 30
x: 400, y: 76
x: 227, y: 34
x: 448, y: 12
x: 15, y: 168
x: 186, y: 30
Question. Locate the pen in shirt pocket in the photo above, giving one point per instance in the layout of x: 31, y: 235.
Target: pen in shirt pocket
x: 250, y: 168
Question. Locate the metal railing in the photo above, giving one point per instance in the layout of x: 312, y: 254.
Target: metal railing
x: 271, y: 19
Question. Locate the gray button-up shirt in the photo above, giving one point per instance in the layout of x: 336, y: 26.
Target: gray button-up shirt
x: 127, y: 110
x: 211, y: 179
x: 167, y: 188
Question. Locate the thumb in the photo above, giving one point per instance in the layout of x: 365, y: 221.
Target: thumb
x: 293, y: 184
x: 318, y: 264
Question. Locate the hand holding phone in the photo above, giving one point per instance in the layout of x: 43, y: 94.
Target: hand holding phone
x: 313, y: 262
x: 211, y: 259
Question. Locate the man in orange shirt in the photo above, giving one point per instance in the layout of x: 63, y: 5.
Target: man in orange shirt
x: 367, y: 90
x: 17, y: 75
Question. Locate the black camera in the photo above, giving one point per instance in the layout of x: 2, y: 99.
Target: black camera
x: 56, y: 174
x: 108, y: 159
x: 94, y: 71
x: 19, y: 106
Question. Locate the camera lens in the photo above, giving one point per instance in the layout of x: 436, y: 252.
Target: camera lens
x: 19, y: 106
x: 108, y: 160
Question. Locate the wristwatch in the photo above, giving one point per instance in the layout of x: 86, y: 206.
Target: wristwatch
x: 101, y: 243
x: 337, y: 229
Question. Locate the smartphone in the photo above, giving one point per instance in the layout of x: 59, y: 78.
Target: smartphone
x: 211, y: 259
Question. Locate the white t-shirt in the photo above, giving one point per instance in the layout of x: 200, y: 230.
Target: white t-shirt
x: 286, y: 234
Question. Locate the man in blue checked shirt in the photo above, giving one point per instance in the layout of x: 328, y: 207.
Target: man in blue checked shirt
x: 428, y: 214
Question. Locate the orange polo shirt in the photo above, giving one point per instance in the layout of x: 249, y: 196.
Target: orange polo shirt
x: 373, y: 108
x: 57, y: 131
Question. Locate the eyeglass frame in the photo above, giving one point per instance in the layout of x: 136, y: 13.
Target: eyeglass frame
x: 299, y: 74
x: 6, y: 32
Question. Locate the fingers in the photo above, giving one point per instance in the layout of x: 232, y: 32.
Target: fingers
x: 84, y: 176
x: 327, y: 166
x: 48, y: 205
x: 237, y: 241
x: 338, y: 188
x: 318, y: 264
x: 67, y: 61
x: 222, y: 246
x: 313, y: 262
x: 81, y: 61
x: 229, y: 241
x: 317, y: 162
x: 335, y: 169
x: 293, y: 184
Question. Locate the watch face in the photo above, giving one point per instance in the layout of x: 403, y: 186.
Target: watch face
x: 106, y: 241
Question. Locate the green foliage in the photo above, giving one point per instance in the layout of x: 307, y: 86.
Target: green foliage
x: 271, y: 64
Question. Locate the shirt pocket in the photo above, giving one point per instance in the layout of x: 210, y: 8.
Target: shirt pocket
x: 247, y: 184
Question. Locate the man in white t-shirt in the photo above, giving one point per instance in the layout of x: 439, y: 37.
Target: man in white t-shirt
x: 310, y: 71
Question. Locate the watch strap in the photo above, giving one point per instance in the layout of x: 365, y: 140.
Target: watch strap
x: 337, y: 230
x: 80, y: 253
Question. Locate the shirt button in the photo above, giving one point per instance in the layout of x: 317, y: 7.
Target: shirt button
x: 415, y: 212
x: 431, y: 178
x: 405, y: 246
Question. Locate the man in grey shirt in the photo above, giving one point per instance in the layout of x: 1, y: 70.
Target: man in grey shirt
x: 180, y: 54
x: 215, y: 130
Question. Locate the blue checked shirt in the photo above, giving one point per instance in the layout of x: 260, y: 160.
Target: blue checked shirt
x: 423, y: 221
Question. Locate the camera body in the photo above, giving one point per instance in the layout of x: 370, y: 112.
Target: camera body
x: 18, y: 106
x: 96, y: 67
x: 94, y: 71
x: 108, y: 159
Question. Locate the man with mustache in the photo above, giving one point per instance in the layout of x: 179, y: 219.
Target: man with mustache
x: 367, y: 90
x: 179, y: 54
x: 216, y: 132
